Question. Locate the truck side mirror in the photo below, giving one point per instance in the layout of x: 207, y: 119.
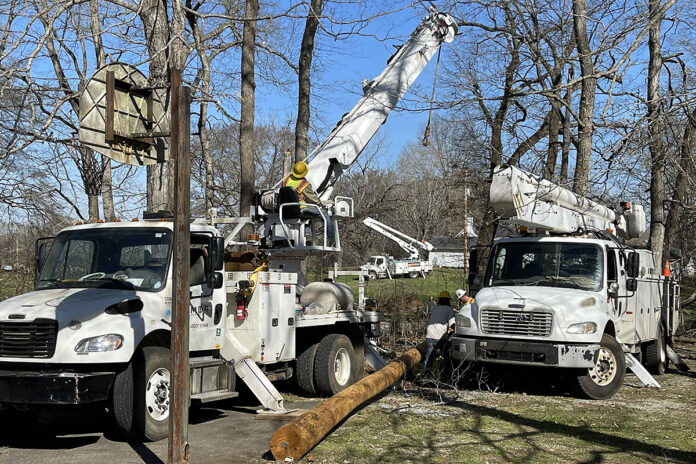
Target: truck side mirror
x: 613, y: 290
x: 633, y: 264
x: 40, y: 254
x: 218, y: 251
x: 217, y: 280
x: 631, y: 284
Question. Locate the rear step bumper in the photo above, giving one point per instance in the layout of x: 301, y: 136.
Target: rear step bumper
x: 26, y: 387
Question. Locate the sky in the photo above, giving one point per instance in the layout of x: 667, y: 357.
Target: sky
x: 341, y: 67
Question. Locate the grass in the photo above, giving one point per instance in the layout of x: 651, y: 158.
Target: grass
x: 416, y: 291
x: 537, y: 425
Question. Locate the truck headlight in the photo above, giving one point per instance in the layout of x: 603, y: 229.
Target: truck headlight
x: 109, y: 342
x: 462, y: 321
x: 582, y: 328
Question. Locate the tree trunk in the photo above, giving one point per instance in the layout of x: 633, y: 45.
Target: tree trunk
x: 246, y: 126
x: 684, y: 169
x: 657, y: 157
x: 203, y: 134
x: 160, y: 177
x: 565, y: 147
x: 304, y: 87
x: 587, y: 98
x: 106, y: 189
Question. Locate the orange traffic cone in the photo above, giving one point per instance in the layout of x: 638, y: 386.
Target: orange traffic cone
x: 666, y: 271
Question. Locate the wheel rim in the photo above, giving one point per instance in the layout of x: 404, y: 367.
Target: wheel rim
x: 604, y: 370
x: 342, y: 366
x: 157, y: 394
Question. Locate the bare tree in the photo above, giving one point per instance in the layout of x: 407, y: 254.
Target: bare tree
x: 246, y: 127
x: 304, y: 87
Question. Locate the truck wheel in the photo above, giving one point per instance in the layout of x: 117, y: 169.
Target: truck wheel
x: 605, y: 378
x: 413, y: 274
x: 372, y: 275
x: 141, y: 395
x: 305, y: 370
x: 333, y: 364
x: 656, y: 354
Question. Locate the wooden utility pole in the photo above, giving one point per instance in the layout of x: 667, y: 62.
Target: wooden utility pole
x: 180, y: 155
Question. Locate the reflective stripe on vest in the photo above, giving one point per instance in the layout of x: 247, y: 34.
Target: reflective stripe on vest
x: 298, y: 184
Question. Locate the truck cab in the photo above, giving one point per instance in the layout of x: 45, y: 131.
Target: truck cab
x: 566, y: 302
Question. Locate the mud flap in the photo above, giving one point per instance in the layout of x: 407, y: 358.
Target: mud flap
x: 676, y: 360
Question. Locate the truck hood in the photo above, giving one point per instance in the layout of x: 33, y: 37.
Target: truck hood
x: 535, y: 298
x: 63, y: 304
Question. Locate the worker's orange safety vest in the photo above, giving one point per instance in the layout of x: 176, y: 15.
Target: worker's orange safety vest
x: 298, y: 184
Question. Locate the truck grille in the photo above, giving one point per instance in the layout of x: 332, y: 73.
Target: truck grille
x: 36, y: 339
x: 503, y: 322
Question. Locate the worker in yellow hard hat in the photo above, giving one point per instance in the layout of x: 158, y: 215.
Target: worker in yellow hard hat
x: 441, y: 318
x: 305, y: 193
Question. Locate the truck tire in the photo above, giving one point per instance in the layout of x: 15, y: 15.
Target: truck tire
x: 333, y: 364
x: 141, y: 395
x: 372, y: 275
x: 413, y: 274
x: 305, y: 370
x: 656, y: 354
x: 604, y: 379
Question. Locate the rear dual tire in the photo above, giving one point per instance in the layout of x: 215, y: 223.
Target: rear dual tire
x: 656, y: 354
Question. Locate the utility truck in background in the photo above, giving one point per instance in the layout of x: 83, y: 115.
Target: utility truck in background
x: 382, y: 266
x: 97, y: 327
x: 570, y: 291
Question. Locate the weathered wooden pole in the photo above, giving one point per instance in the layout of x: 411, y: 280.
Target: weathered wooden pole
x: 179, y: 389
x: 295, y: 439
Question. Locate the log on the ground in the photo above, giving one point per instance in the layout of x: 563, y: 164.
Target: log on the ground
x: 295, y: 439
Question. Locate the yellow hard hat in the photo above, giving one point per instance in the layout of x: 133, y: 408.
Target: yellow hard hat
x: 299, y: 170
x: 444, y: 294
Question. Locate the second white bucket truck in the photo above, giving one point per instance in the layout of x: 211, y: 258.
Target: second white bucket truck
x: 569, y: 292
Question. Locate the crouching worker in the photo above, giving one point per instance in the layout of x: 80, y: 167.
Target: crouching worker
x: 441, y: 318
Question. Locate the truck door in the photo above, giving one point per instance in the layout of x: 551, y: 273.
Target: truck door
x: 624, y: 305
x: 207, y: 305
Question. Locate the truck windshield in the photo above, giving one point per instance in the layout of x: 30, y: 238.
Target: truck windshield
x: 548, y: 264
x: 126, y: 258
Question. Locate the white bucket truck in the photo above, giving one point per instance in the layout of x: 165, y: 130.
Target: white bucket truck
x: 568, y: 292
x: 97, y: 326
x: 381, y: 266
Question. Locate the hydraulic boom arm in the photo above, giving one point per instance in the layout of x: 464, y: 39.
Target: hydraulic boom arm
x: 343, y: 146
x: 408, y: 244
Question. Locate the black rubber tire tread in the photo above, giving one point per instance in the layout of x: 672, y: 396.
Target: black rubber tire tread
x: 305, y: 370
x: 413, y: 275
x: 591, y: 390
x: 372, y: 275
x: 653, y: 363
x: 324, y: 377
x: 122, y: 399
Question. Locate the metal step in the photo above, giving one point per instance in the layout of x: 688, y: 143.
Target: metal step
x: 214, y: 396
x: 676, y: 360
x: 206, y: 361
x: 641, y: 372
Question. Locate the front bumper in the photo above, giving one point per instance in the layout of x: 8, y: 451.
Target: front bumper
x: 552, y: 354
x: 54, y: 387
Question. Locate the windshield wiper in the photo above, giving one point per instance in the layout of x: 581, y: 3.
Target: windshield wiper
x: 58, y: 282
x: 564, y: 280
